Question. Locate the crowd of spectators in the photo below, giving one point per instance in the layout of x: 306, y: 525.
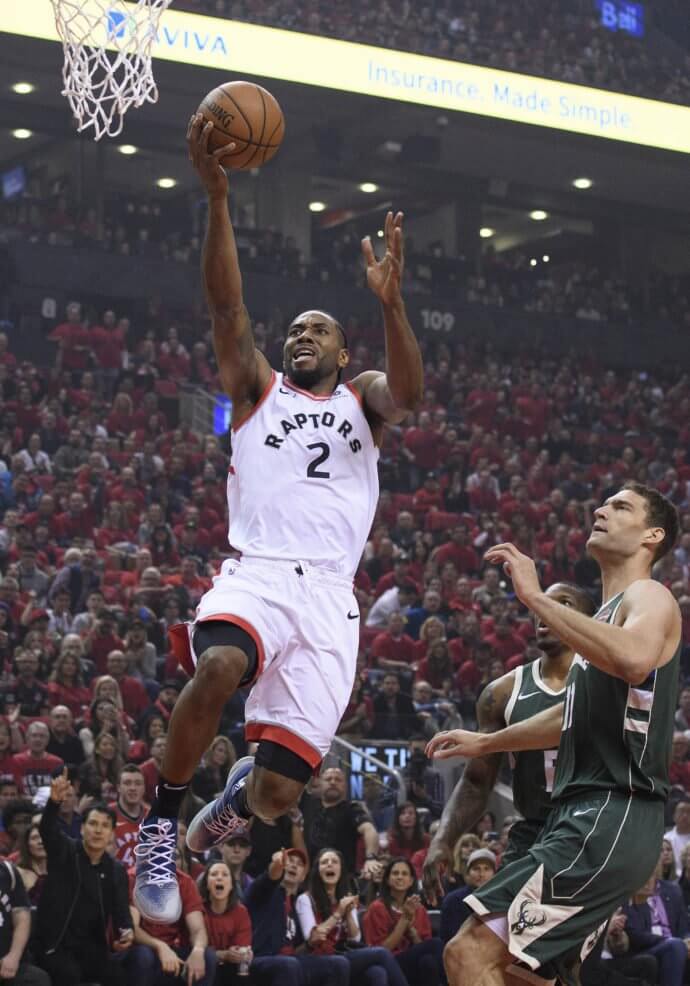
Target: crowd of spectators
x: 576, y: 287
x: 564, y: 41
x: 112, y: 523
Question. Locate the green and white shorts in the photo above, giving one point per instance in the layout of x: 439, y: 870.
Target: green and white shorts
x: 551, y: 906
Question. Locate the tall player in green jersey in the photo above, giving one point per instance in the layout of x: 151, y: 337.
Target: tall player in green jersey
x: 515, y: 696
x: 602, y: 839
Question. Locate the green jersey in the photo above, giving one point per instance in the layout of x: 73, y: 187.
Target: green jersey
x: 616, y: 736
x: 533, y: 770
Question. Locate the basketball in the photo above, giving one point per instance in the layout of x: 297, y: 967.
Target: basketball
x: 249, y: 116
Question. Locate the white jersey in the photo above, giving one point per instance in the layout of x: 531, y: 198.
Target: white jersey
x: 303, y: 481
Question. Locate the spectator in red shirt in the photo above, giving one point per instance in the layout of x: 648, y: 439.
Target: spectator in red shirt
x: 135, y: 698
x: 405, y: 836
x: 72, y: 339
x: 103, y: 639
x: 504, y: 642
x: 129, y: 809
x: 66, y: 685
x: 179, y: 950
x: 121, y: 421
x: 34, y: 768
x: 421, y: 445
x: 398, y: 920
x: 459, y: 551
x: 393, y: 649
x: 228, y: 925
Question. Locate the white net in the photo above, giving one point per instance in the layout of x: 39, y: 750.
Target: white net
x: 107, y: 64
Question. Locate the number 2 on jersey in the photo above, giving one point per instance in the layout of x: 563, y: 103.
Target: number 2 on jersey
x: 312, y: 471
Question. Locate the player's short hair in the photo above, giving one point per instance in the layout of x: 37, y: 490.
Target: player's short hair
x: 660, y: 513
x: 585, y: 603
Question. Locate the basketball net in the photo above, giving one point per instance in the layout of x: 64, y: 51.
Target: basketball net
x: 107, y: 65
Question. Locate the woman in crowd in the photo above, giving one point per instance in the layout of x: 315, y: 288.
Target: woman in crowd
x: 684, y: 881
x: 405, y: 836
x: 327, y: 914
x: 66, y: 685
x: 11, y: 742
x: 228, y: 924
x: 210, y: 777
x: 358, y: 717
x: 437, y: 667
x: 99, y: 775
x: 398, y: 920
x: 151, y: 727
x: 667, y: 863
x: 462, y: 851
x: 432, y: 629
x: 107, y: 713
x: 32, y: 863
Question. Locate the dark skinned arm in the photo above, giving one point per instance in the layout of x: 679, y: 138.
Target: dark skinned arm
x: 390, y: 396
x: 244, y: 371
x: 470, y: 796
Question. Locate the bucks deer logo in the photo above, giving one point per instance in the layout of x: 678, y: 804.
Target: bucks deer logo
x: 525, y: 920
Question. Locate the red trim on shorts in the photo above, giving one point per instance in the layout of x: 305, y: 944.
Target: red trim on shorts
x: 314, y: 397
x: 181, y: 646
x: 356, y: 393
x: 256, y: 731
x: 258, y: 404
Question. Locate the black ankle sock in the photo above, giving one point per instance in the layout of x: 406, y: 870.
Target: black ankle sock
x: 168, y: 798
x: 240, y: 804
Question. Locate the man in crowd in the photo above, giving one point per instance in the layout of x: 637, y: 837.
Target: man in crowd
x: 34, y: 767
x: 83, y: 900
x: 394, y: 712
x: 129, y: 809
x: 338, y: 823
x: 15, y: 928
x: 63, y: 743
x: 679, y: 835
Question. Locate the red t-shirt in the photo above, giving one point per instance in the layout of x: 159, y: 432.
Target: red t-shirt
x: 398, y: 848
x: 379, y: 922
x: 126, y: 834
x: 402, y: 649
x: 77, y: 698
x: 34, y: 772
x: 234, y: 928
x: 175, y: 935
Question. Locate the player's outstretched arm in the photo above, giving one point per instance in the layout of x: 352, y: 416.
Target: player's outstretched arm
x: 244, y: 372
x: 470, y: 795
x: 540, y: 732
x: 393, y: 394
x: 647, y: 637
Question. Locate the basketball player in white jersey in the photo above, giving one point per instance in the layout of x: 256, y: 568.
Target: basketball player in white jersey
x: 302, y: 491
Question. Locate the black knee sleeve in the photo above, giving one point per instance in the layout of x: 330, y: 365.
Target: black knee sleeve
x: 280, y: 760
x: 221, y: 633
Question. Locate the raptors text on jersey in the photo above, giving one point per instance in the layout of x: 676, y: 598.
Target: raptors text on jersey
x: 303, y: 481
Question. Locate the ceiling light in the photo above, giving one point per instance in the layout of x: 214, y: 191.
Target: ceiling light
x: 22, y: 134
x: 380, y: 234
x: 538, y: 215
x: 369, y: 187
x: 127, y: 149
x: 23, y: 88
x: 486, y: 232
x: 583, y: 183
x: 317, y: 206
x: 533, y: 262
x: 166, y: 182
x: 546, y: 258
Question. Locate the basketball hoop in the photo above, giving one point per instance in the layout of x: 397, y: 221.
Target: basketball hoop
x: 107, y: 66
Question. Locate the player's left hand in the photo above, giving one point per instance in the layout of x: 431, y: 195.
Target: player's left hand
x: 385, y: 276
x: 520, y: 568
x: 455, y: 743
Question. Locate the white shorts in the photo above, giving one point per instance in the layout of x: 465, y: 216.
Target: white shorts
x: 306, y: 630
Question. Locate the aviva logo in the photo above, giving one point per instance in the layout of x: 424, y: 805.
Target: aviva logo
x: 120, y: 26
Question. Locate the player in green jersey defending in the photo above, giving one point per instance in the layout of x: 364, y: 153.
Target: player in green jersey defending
x: 516, y: 696
x: 602, y: 839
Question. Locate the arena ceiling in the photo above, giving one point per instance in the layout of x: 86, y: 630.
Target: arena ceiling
x: 343, y: 139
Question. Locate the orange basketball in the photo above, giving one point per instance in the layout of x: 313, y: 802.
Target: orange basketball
x: 248, y: 116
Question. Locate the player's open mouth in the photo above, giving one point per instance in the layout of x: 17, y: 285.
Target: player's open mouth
x: 599, y: 528
x: 302, y: 354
